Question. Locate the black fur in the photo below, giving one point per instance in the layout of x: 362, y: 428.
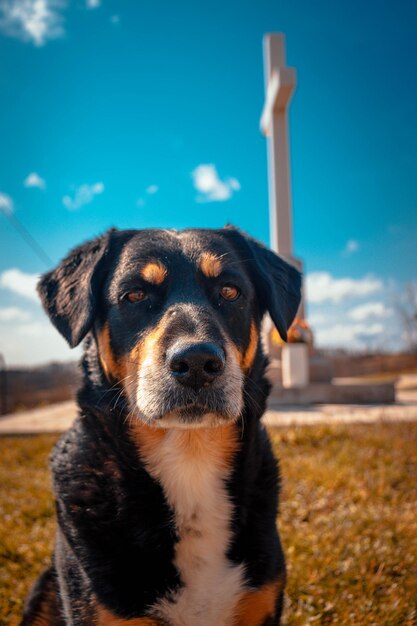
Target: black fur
x: 278, y: 283
x: 44, y: 601
x: 69, y: 293
x: 116, y: 537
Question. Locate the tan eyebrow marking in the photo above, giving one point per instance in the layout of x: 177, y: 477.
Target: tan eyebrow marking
x: 154, y: 272
x: 210, y: 265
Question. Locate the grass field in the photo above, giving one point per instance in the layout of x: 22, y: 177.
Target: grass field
x: 348, y: 522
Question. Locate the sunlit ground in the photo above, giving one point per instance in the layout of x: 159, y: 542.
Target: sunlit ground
x: 348, y: 522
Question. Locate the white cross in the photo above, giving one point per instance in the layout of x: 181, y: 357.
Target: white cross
x: 280, y: 82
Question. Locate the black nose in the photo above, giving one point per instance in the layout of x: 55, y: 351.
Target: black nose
x: 196, y: 365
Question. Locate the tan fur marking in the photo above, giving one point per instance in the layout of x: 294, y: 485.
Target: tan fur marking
x: 257, y: 605
x: 194, y: 443
x: 147, y: 344
x: 141, y: 350
x: 112, y: 369
x: 107, y: 618
x: 210, y: 265
x: 246, y: 359
x: 45, y: 619
x: 133, y: 360
x: 154, y: 272
x: 48, y: 611
x: 147, y: 438
x: 250, y: 353
x: 126, y: 368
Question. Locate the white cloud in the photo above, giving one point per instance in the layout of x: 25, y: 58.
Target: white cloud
x: 32, y: 339
x: 34, y: 329
x: 234, y: 184
x: 318, y: 318
x: 323, y: 287
x: 6, y: 204
x: 34, y: 180
x: 343, y: 315
x: 211, y: 187
x: 20, y: 282
x: 83, y: 195
x: 34, y: 342
x: 32, y: 20
x: 371, y: 324
x: 93, y: 4
x: 13, y: 314
x: 150, y: 191
x: 351, y: 246
x: 370, y: 310
x: 352, y: 336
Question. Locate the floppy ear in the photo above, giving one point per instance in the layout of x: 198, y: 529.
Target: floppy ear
x: 69, y: 293
x: 277, y: 283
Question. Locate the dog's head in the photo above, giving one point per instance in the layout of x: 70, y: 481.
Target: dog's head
x: 175, y: 315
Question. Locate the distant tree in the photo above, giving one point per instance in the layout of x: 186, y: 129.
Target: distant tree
x: 406, y: 307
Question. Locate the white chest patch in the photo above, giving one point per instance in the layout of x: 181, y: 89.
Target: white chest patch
x: 192, y: 466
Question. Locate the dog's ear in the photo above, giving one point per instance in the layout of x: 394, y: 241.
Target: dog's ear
x: 277, y: 283
x: 69, y: 293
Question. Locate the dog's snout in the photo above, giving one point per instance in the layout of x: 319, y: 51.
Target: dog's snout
x: 196, y: 365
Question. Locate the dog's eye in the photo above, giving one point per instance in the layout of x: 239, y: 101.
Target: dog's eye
x: 230, y: 293
x: 135, y: 296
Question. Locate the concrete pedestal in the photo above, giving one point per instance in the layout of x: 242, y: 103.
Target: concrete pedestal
x: 339, y: 391
x: 330, y: 393
x: 295, y: 365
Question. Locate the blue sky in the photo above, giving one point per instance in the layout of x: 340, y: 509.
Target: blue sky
x: 138, y: 114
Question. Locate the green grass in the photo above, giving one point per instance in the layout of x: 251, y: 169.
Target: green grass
x: 348, y: 522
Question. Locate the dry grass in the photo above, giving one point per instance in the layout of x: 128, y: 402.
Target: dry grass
x: 26, y: 519
x: 348, y: 522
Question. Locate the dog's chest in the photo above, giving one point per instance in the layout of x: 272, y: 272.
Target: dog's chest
x: 191, y: 468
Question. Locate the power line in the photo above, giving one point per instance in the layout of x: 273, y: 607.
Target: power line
x: 30, y: 240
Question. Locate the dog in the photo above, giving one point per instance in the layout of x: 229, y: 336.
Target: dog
x: 166, y: 486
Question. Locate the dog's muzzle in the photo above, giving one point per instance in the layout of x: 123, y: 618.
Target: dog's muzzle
x: 196, y: 365
x: 195, y: 379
